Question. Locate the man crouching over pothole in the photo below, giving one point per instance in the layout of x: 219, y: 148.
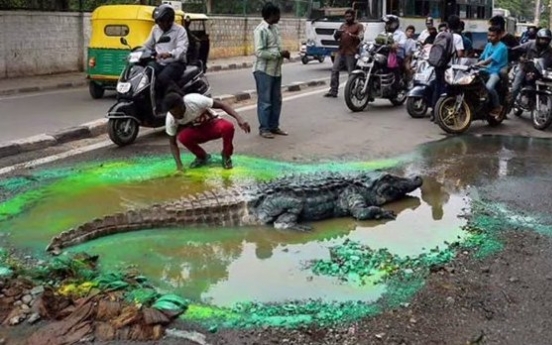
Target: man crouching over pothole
x: 192, y: 121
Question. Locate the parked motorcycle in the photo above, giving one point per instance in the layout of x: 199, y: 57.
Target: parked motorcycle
x: 420, y: 95
x: 467, y: 98
x: 536, y: 96
x: 373, y: 79
x: 137, y: 105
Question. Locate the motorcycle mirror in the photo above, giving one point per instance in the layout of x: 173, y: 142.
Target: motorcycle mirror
x: 123, y: 41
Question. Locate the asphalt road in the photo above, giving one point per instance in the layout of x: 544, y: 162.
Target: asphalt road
x: 320, y: 129
x: 30, y: 114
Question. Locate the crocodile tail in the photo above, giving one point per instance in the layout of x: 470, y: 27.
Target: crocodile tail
x: 228, y: 209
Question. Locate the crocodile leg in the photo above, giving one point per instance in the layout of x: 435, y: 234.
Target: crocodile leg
x: 288, y: 220
x: 357, y: 207
x: 283, y: 211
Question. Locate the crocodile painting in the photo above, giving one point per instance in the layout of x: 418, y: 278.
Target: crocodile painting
x: 285, y: 203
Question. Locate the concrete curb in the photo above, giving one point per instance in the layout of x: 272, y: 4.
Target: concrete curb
x: 99, y: 127
x: 84, y: 81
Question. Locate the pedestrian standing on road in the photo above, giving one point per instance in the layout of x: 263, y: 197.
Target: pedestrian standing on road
x: 192, y: 121
x: 349, y: 36
x: 268, y: 71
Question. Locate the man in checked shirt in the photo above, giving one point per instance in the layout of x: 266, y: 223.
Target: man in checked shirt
x: 268, y: 72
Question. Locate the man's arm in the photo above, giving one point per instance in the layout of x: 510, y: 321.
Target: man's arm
x: 261, y: 49
x: 171, y: 128
x: 230, y: 111
x: 181, y: 44
x: 176, y: 153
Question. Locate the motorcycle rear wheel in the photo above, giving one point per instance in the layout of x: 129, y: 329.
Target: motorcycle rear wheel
x: 448, y: 120
x: 399, y: 99
x: 354, y: 84
x: 123, y: 131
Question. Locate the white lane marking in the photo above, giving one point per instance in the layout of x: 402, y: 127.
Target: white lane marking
x: 44, y: 93
x: 106, y: 143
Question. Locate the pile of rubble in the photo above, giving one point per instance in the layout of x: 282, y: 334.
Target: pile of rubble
x: 87, y: 310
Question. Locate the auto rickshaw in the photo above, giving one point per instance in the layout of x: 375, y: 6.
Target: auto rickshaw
x: 196, y: 23
x: 107, y: 56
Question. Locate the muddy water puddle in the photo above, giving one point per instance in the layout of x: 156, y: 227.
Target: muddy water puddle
x: 229, y: 265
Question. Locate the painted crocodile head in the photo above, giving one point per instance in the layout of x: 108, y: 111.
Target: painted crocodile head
x: 391, y: 187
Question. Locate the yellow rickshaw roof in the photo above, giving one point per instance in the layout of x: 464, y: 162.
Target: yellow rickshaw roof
x: 127, y: 12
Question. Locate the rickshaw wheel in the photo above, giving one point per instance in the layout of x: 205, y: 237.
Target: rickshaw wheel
x: 96, y: 90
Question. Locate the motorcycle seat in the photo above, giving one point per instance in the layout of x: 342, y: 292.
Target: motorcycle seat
x: 189, y: 74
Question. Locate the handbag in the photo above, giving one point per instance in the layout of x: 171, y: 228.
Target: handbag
x: 392, y: 61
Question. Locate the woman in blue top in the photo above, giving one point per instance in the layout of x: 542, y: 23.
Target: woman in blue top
x: 494, y: 57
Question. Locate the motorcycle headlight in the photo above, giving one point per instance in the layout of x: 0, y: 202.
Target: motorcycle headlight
x: 465, y: 80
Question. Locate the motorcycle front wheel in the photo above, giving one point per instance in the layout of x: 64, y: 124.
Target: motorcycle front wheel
x: 542, y: 119
x: 416, y: 107
x: 354, y: 98
x: 450, y: 120
x: 123, y: 131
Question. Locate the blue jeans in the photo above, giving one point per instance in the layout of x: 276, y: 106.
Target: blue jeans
x: 269, y: 101
x: 491, y: 87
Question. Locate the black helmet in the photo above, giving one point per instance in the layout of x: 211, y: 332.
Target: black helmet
x: 545, y: 33
x: 164, y: 13
x: 392, y: 22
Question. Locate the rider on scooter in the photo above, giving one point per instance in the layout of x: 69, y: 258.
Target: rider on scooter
x: 534, y: 49
x: 392, y: 24
x: 170, y: 61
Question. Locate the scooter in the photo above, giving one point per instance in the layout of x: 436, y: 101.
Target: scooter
x: 420, y: 95
x: 137, y: 105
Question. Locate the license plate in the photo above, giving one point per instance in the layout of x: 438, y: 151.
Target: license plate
x: 123, y: 87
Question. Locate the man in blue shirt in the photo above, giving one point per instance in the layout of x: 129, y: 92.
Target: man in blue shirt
x: 494, y: 57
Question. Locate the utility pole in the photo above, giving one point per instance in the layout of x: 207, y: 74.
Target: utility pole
x: 550, y: 17
x: 537, y: 12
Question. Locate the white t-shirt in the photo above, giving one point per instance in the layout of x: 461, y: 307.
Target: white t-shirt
x: 458, y: 42
x: 196, y: 105
x: 410, y: 46
x: 423, y: 36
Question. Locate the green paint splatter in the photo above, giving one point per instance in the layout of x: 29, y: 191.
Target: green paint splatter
x: 350, y: 261
x: 93, y: 175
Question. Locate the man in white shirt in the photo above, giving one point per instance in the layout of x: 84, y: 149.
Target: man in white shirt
x: 192, y: 121
x: 425, y: 34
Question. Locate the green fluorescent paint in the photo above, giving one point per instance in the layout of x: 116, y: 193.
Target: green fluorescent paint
x: 399, y: 270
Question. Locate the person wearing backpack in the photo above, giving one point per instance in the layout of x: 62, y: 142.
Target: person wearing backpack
x: 495, y: 58
x: 446, y: 46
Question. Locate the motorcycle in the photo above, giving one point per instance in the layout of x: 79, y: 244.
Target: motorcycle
x: 420, y: 95
x: 373, y: 79
x: 536, y: 96
x: 137, y: 105
x: 467, y: 98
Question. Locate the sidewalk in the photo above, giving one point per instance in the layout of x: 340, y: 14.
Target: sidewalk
x: 13, y: 86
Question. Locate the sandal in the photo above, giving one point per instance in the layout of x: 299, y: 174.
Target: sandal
x: 199, y: 162
x: 226, y: 162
